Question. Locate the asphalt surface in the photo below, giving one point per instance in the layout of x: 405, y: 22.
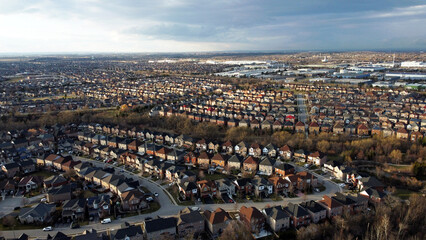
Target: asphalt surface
x: 302, y: 109
x: 11, y: 202
x: 169, y: 207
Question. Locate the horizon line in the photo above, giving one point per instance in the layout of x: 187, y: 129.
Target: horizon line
x: 11, y: 54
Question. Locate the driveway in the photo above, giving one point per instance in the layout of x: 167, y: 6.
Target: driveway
x: 9, y: 203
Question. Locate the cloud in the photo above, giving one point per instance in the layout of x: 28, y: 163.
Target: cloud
x: 195, y: 25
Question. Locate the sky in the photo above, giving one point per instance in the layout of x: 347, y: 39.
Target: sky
x: 113, y: 26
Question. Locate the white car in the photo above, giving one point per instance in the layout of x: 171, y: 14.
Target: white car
x: 49, y: 228
x: 156, y: 194
x: 43, y: 200
x: 150, y: 199
x: 106, y: 220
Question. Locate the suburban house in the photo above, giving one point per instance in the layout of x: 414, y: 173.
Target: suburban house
x: 74, y: 209
x: 334, y: 208
x: 266, y: 166
x: 262, y: 187
x: 252, y: 218
x: 206, y: 188
x: 10, y: 169
x: 316, y: 210
x: 277, y: 218
x: 298, y: 215
x: 133, y: 200
x: 283, y: 169
x: 373, y: 195
x: 188, y: 190
x: 285, y: 152
x: 225, y: 186
x: 29, y: 183
x: 54, y: 181
x: 59, y: 194
x: 189, y: 221
x: 235, y: 161
x: 159, y: 228
x: 128, y: 232
x: 281, y: 185
x: 216, y: 221
x: 317, y: 158
x: 39, y: 214
x: 250, y: 164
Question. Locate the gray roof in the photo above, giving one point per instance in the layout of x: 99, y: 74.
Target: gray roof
x: 38, y: 211
x: 159, y: 224
x: 276, y: 213
x: 189, y: 216
x: 130, y: 231
x: 312, y: 206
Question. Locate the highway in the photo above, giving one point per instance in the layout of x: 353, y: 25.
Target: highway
x: 169, y: 207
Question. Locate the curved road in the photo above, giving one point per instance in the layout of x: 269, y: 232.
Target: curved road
x: 169, y: 207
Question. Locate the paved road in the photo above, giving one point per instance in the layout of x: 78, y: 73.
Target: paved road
x: 303, y: 114
x: 169, y: 208
x: 302, y: 109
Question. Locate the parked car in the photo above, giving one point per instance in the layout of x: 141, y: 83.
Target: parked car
x: 156, y: 194
x: 49, y: 228
x: 150, y: 199
x: 43, y: 200
x: 106, y: 220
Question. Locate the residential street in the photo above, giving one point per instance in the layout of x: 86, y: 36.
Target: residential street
x: 301, y: 106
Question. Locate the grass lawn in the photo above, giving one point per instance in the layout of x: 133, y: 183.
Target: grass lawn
x: 88, y: 194
x: 176, y: 197
x: 83, y: 223
x: 154, y: 206
x: 403, y: 193
x: 337, y: 181
x: 145, y: 189
x: 215, y: 176
x: 20, y: 226
x: 276, y: 197
x: 186, y: 203
x: 43, y: 173
x: 32, y: 193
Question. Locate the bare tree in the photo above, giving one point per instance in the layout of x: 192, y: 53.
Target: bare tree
x: 9, y: 221
x: 236, y: 230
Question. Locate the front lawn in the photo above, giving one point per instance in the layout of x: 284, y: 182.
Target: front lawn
x: 20, y: 226
x: 43, y: 173
x: 337, y: 180
x: 276, y: 197
x: 154, y: 206
x: 88, y: 194
x: 215, y: 176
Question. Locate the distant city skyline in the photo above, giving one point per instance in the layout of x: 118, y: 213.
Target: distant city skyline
x: 129, y: 26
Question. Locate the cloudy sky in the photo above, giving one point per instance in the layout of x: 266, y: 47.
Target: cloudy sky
x: 213, y: 25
